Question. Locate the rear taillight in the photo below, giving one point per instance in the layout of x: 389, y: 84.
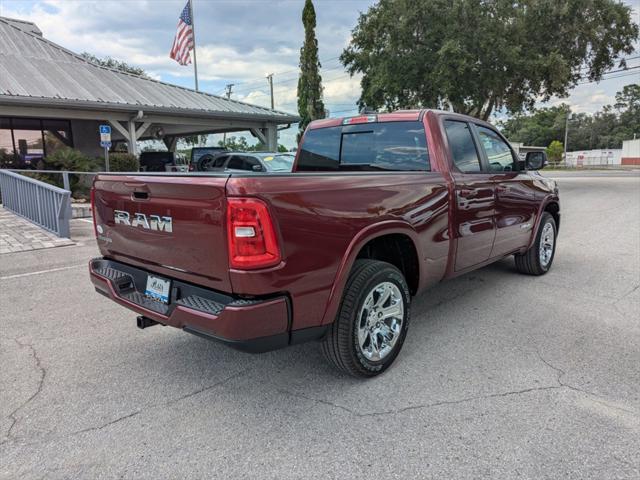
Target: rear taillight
x: 251, y: 236
x: 93, y: 210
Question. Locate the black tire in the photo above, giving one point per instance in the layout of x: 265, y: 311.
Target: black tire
x: 341, y: 345
x: 529, y: 262
x: 204, y: 161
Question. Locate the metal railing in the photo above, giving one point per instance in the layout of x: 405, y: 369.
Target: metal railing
x: 41, y: 203
x: 66, y: 184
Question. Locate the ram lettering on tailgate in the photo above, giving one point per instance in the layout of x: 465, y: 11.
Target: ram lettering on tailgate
x: 152, y: 222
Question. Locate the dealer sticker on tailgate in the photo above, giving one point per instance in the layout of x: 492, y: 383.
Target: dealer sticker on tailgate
x: 158, y: 288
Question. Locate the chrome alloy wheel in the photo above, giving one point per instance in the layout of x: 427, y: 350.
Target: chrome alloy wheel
x: 547, y: 239
x: 380, y: 321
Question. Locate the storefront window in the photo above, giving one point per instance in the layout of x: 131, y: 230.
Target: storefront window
x: 56, y: 135
x: 27, y: 139
x: 25, y: 142
x: 6, y: 144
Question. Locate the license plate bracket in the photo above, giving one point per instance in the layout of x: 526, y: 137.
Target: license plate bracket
x: 158, y: 288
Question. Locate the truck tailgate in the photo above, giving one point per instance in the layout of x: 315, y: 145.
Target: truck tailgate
x: 171, y: 225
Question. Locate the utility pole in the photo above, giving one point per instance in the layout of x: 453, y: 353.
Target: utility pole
x: 228, y: 88
x: 566, y: 135
x: 270, y: 80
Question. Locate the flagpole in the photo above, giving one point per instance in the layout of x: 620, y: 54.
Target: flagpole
x: 193, y: 27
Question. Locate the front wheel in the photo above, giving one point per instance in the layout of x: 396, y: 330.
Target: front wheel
x: 538, y: 259
x: 372, y: 322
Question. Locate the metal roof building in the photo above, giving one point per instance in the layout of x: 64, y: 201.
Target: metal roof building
x: 42, y: 80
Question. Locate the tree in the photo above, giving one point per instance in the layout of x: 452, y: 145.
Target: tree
x: 607, y: 128
x: 482, y: 55
x: 628, y: 106
x: 195, y: 140
x: 235, y: 144
x: 115, y: 64
x: 240, y: 144
x: 555, y: 151
x: 539, y: 128
x: 310, y: 105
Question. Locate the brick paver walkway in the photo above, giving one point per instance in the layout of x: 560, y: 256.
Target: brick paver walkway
x: 20, y: 235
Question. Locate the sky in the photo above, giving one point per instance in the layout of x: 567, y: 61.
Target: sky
x: 239, y: 42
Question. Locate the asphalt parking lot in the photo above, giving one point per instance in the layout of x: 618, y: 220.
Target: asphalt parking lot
x: 502, y: 375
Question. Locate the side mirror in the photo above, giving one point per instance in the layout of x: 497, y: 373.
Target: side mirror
x: 257, y: 168
x: 535, y: 160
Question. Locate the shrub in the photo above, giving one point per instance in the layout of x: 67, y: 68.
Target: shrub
x: 554, y: 152
x: 123, y: 162
x: 70, y: 159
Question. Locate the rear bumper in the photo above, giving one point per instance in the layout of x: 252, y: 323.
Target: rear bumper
x: 250, y: 325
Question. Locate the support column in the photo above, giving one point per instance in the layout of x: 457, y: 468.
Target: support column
x: 170, y: 143
x: 259, y: 133
x: 272, y: 138
x: 132, y: 146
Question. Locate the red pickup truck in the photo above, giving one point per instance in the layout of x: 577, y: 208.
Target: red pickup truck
x: 377, y: 209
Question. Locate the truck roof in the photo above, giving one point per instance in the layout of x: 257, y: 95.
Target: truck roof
x: 397, y: 116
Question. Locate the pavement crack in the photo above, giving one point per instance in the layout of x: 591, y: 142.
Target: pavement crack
x: 108, y: 424
x: 560, y: 384
x: 420, y: 406
x: 558, y: 370
x: 162, y: 404
x: 625, y: 295
x: 209, y: 387
x: 13, y: 416
x: 320, y: 401
x: 595, y: 397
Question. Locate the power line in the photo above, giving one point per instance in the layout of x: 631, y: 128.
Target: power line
x: 254, y: 85
x: 284, y: 72
x: 277, y: 90
x: 625, y: 74
x: 247, y: 84
x: 585, y: 67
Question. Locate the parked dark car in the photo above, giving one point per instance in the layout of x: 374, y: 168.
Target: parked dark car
x: 156, y: 161
x: 201, y: 156
x: 377, y: 209
x: 250, y: 162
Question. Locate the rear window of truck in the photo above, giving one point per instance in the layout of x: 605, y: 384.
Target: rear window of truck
x: 392, y: 146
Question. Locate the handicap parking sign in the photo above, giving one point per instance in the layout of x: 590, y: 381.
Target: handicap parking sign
x: 105, y: 135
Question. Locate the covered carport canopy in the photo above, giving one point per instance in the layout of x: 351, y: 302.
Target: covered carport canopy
x: 40, y: 79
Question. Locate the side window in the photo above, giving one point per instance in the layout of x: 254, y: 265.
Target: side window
x: 236, y: 163
x: 498, y: 153
x: 219, y: 161
x: 463, y: 149
x: 250, y: 162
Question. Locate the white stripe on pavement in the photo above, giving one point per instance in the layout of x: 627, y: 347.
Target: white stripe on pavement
x: 20, y: 275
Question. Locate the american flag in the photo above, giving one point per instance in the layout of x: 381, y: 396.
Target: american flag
x: 183, y: 43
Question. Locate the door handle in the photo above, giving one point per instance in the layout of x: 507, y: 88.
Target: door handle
x: 136, y: 185
x: 467, y: 193
x: 140, y: 195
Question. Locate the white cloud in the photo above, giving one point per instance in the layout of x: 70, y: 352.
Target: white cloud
x: 238, y: 42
